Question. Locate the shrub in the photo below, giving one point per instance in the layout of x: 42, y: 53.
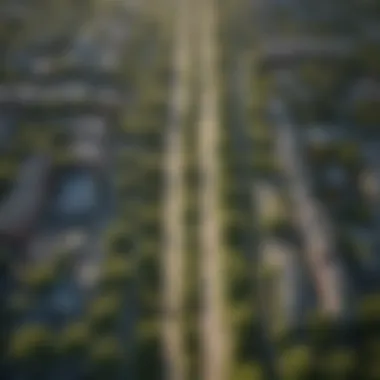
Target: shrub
x: 239, y: 276
x: 124, y: 183
x: 370, y: 369
x: 19, y: 303
x: 275, y: 225
x: 348, y: 152
x: 322, y: 330
x: 75, y: 338
x: 64, y: 262
x: 116, y: 272
x: 149, y: 270
x: 241, y: 314
x: 369, y: 57
x: 248, y: 371
x: 369, y: 311
x: 262, y: 137
x: 296, y: 363
x: 8, y: 168
x: 119, y: 239
x: 319, y: 152
x: 39, y: 278
x: 264, y: 164
x: 105, y: 311
x: 64, y: 158
x: 149, y: 351
x: 5, y: 259
x: 105, y: 357
x: 150, y: 213
x: 367, y: 113
x: 272, y: 212
x: 338, y: 365
x: 155, y: 96
x: 31, y: 342
x: 61, y: 139
x: 357, y: 213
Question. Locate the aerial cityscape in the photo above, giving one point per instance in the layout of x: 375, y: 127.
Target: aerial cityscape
x: 190, y: 189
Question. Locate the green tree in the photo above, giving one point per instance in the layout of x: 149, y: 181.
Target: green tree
x: 264, y: 164
x: 248, y: 371
x: 19, y: 303
x: 296, y: 363
x: 149, y: 350
x: 64, y: 262
x: 338, y: 365
x: 119, y: 238
x: 61, y: 139
x: 369, y: 313
x: 369, y: 56
x: 116, y: 273
x: 369, y: 366
x: 238, y: 274
x: 32, y: 343
x: 8, y: 168
x: 39, y: 278
x: 105, y: 311
x: 366, y: 113
x: 75, y: 339
x: 105, y: 357
x: 349, y: 152
x: 322, y: 330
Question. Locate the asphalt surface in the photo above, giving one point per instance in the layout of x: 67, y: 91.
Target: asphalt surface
x: 214, y: 340
x: 316, y: 229
x: 173, y: 219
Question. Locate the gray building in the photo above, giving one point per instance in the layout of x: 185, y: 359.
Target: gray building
x: 19, y: 211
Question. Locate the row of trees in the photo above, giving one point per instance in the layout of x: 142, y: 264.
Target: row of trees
x: 240, y: 235
x: 153, y: 106
x: 141, y: 186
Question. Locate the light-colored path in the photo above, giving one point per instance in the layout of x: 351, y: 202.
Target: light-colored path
x: 213, y: 330
x: 312, y: 222
x: 173, y: 218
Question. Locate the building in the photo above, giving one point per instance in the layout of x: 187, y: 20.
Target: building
x: 89, y: 140
x: 19, y: 212
x: 282, y: 52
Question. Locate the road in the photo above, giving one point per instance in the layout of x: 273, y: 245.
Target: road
x: 315, y: 228
x: 214, y: 342
x: 173, y: 218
